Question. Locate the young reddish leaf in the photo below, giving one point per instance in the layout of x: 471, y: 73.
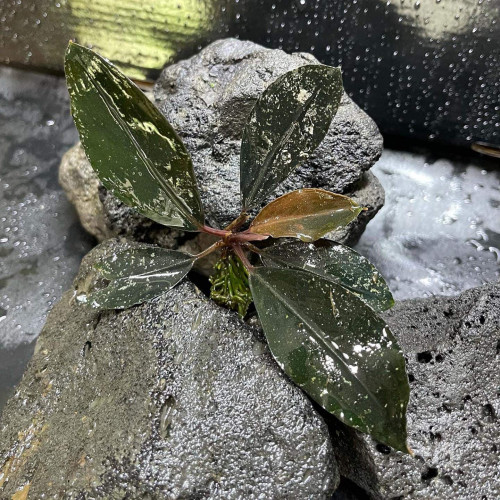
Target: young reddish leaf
x: 133, y: 149
x: 287, y: 124
x: 336, y: 348
x: 307, y: 214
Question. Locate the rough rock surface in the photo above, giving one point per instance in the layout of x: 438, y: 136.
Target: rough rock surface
x: 81, y: 185
x: 453, y: 351
x: 176, y: 398
x: 207, y: 99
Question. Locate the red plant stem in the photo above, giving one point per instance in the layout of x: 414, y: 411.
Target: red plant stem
x: 218, y: 232
x: 243, y: 237
x: 234, y: 237
x: 209, y: 250
x: 241, y: 254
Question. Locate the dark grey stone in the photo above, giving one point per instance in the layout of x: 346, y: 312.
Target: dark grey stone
x: 453, y: 350
x: 176, y: 398
x: 207, y: 99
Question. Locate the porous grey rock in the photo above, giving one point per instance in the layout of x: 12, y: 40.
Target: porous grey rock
x: 176, y: 398
x: 206, y: 99
x: 453, y: 350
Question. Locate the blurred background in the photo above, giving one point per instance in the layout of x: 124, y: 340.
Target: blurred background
x: 426, y: 71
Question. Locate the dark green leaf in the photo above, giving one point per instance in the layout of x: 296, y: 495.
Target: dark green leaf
x: 307, y: 214
x: 335, y: 262
x: 139, y: 274
x: 332, y: 345
x: 133, y: 149
x: 287, y: 124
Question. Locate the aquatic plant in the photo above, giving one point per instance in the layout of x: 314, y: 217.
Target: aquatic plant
x: 317, y: 300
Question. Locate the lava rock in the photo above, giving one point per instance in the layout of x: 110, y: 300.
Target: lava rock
x: 207, y: 99
x: 176, y: 398
x: 452, y: 347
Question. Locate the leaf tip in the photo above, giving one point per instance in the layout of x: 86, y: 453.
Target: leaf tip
x: 398, y: 441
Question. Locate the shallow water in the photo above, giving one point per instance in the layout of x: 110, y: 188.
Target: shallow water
x: 438, y: 233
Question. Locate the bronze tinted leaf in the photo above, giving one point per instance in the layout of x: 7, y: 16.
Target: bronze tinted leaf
x: 307, y: 214
x: 287, y: 124
x: 134, y: 150
x: 137, y: 275
x: 335, y: 262
x: 335, y: 347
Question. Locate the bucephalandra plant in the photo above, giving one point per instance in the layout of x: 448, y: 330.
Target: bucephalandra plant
x: 317, y: 300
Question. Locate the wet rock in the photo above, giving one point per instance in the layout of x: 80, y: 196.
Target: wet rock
x: 176, y: 398
x: 207, y: 99
x: 368, y: 193
x: 41, y: 239
x: 81, y: 185
x: 453, y: 351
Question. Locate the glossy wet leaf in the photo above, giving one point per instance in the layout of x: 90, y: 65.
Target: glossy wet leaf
x: 139, y: 274
x: 307, y: 214
x: 335, y: 347
x: 335, y: 262
x: 288, y: 122
x: 133, y: 149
